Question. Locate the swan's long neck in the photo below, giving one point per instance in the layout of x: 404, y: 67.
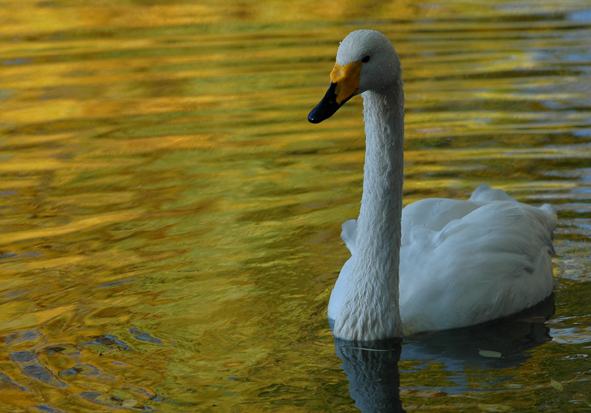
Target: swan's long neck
x: 370, y: 308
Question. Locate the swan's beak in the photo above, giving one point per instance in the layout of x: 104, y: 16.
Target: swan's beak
x: 344, y: 82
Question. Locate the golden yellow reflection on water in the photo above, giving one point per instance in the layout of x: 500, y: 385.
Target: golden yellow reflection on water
x: 170, y: 221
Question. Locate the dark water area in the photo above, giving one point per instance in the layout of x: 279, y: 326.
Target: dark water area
x: 170, y: 220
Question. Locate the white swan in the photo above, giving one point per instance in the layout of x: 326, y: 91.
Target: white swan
x: 452, y: 263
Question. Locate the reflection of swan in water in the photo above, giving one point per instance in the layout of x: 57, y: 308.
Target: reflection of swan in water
x: 510, y: 336
x: 372, y: 367
x: 372, y: 371
x: 461, y: 263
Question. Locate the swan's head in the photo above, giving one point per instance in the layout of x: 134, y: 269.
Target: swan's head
x: 366, y: 61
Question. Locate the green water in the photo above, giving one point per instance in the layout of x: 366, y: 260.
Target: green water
x: 170, y: 220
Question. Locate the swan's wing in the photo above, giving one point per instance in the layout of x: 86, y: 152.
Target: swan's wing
x: 349, y: 234
x: 433, y: 214
x: 484, y: 193
x: 473, y: 261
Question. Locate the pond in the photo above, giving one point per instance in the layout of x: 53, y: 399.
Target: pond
x: 170, y: 220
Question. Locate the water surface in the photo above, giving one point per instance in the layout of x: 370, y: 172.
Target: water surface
x: 170, y: 221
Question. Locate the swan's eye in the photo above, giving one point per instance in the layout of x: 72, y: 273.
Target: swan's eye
x: 365, y: 59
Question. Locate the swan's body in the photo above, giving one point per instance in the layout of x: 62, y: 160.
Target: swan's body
x: 451, y: 263
x: 465, y: 262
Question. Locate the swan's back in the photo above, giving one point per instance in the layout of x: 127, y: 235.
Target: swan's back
x: 467, y: 262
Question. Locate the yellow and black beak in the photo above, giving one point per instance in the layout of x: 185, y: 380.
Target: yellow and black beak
x: 344, y: 82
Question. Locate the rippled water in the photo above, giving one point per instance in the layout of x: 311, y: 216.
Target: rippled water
x: 170, y: 221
